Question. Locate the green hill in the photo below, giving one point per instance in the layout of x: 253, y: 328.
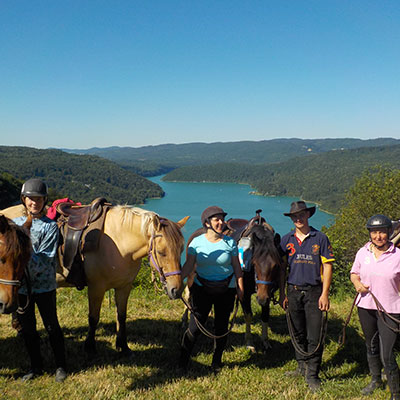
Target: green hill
x: 80, y: 177
x: 155, y: 160
x: 323, y: 178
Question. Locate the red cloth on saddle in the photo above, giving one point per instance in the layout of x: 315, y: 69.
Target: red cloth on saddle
x: 52, y: 211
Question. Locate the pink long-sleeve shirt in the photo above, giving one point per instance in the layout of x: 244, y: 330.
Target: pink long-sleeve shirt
x: 381, y: 275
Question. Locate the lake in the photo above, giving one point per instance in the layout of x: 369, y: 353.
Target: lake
x: 187, y: 198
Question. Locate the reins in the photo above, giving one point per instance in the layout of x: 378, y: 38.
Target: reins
x: 206, y: 332
x: 322, y: 334
x: 381, y: 314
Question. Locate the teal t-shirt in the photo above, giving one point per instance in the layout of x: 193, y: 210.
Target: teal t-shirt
x: 214, y: 260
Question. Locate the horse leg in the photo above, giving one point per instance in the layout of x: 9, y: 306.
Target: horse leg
x: 185, y: 316
x: 95, y: 300
x: 248, y: 337
x: 264, y: 326
x: 121, y: 301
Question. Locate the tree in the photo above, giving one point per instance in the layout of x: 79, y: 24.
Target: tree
x: 375, y: 192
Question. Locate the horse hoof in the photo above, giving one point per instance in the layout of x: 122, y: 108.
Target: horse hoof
x: 251, y: 347
x: 125, y: 351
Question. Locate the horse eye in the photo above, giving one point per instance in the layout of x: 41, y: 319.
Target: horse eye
x: 161, y: 253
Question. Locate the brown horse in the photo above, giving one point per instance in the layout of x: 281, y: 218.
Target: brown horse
x: 129, y: 234
x: 263, y: 278
x: 15, y: 252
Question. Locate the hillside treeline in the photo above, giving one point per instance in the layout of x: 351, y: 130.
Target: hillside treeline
x: 322, y: 178
x: 375, y: 192
x: 80, y: 177
x: 155, y: 160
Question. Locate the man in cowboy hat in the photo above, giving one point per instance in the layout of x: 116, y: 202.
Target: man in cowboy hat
x: 309, y: 256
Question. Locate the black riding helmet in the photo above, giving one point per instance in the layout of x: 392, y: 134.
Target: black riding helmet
x: 34, y: 188
x: 380, y: 221
x: 210, y: 212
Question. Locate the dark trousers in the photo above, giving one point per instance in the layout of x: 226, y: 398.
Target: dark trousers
x: 46, y: 303
x: 306, y: 319
x: 379, y: 339
x: 202, y: 303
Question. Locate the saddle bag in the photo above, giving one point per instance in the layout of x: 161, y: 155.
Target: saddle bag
x: 215, y: 287
x: 245, y: 253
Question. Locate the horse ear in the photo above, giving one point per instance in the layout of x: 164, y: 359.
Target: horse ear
x: 3, y: 224
x: 183, y: 221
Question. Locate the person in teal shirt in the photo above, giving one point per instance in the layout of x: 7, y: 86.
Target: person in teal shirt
x: 214, y: 257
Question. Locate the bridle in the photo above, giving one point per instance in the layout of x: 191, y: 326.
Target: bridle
x: 10, y: 282
x: 153, y: 261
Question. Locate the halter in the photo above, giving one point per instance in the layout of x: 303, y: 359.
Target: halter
x: 153, y: 260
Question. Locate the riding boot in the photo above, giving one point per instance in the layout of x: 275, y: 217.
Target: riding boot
x: 313, y: 366
x: 187, y: 345
x: 393, y: 380
x: 56, y: 339
x: 299, y: 371
x: 375, y: 368
x: 32, y: 343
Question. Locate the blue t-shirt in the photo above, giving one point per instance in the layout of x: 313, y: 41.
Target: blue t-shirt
x: 43, y: 263
x: 305, y: 260
x: 214, y: 260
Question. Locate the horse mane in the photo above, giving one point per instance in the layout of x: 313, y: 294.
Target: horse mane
x: 151, y: 222
x: 17, y: 242
x: 263, y: 242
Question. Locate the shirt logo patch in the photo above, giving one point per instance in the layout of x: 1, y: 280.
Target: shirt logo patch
x: 367, y: 260
x: 315, y: 249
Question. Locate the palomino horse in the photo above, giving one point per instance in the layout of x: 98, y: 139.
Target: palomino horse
x: 15, y: 252
x: 263, y: 278
x: 129, y: 234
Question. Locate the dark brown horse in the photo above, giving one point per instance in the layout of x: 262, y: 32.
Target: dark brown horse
x: 15, y: 252
x: 263, y: 277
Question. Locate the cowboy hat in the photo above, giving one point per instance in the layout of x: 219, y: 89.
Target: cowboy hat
x: 299, y: 206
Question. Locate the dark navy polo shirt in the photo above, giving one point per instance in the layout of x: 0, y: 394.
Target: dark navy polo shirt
x: 305, y: 260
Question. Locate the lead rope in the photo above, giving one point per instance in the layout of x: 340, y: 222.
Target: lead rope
x: 322, y: 334
x: 381, y: 312
x: 206, y: 332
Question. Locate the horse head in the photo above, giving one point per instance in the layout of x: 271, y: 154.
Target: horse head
x: 15, y: 252
x: 165, y: 249
x: 266, y: 261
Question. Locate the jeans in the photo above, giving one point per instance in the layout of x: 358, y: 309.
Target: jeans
x: 306, y: 318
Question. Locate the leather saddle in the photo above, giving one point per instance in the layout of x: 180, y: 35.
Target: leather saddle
x: 80, y: 227
x: 238, y: 228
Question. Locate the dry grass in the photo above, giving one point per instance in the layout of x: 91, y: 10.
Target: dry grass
x: 154, y: 333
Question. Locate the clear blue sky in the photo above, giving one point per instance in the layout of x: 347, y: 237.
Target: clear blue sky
x: 83, y: 73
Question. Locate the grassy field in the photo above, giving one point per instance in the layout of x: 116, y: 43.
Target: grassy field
x: 154, y: 331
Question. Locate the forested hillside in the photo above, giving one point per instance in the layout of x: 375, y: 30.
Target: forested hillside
x: 154, y: 160
x: 9, y: 190
x: 80, y: 177
x: 323, y: 178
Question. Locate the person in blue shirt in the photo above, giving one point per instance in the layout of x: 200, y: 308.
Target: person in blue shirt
x: 214, y: 257
x: 309, y: 256
x: 42, y: 276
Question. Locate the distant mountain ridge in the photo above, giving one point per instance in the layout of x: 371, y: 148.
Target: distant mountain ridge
x: 153, y: 160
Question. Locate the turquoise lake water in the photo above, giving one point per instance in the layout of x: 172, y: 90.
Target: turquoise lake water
x: 186, y: 198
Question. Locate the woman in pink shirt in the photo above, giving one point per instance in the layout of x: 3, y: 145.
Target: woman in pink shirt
x: 376, y: 270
